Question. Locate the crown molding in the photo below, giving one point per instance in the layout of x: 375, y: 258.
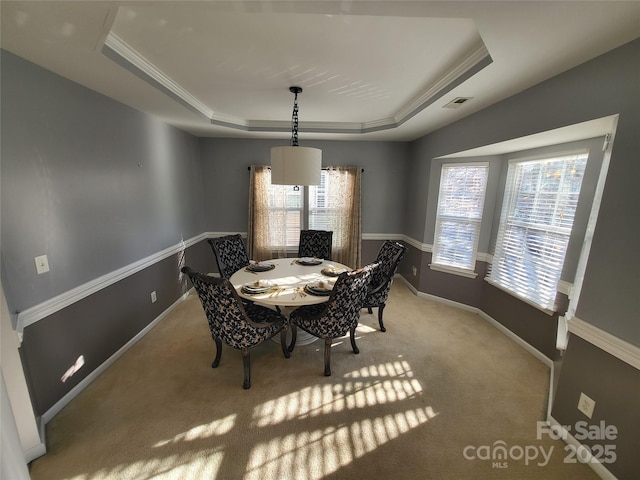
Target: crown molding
x: 462, y: 70
x: 125, y: 55
x: 133, y: 61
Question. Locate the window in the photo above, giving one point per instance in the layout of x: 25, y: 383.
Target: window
x: 540, y: 200
x: 331, y: 205
x: 319, y: 211
x: 285, y: 207
x: 277, y: 213
x: 459, y: 217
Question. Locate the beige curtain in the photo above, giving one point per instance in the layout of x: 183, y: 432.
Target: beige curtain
x: 267, y: 230
x: 258, y: 229
x: 343, y: 198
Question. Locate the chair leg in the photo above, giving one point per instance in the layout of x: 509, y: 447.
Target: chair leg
x: 294, y: 335
x: 283, y: 343
x: 380, y: 309
x: 369, y: 309
x: 246, y: 363
x: 216, y: 362
x: 327, y: 356
x: 353, y: 340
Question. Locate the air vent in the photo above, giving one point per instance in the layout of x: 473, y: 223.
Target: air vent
x: 457, y: 102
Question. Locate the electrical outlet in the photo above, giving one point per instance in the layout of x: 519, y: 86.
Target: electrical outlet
x: 154, y: 297
x: 586, y: 405
x: 42, y: 264
x: 414, y: 270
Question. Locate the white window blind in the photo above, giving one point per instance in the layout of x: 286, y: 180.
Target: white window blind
x: 540, y: 201
x: 326, y: 209
x: 459, y: 215
x: 332, y: 206
x: 320, y: 212
x: 285, y: 215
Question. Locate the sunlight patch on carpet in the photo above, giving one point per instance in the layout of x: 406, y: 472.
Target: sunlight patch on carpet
x: 215, y: 428
x: 360, y: 427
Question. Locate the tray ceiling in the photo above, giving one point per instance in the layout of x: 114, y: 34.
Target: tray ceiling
x: 369, y: 70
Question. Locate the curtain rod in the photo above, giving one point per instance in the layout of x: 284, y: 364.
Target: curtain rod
x: 249, y: 168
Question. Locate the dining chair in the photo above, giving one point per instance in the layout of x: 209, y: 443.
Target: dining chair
x: 334, y: 318
x: 315, y: 243
x: 240, y: 326
x: 388, y: 259
x: 231, y: 254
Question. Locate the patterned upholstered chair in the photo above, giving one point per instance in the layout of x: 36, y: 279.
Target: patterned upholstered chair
x: 388, y: 259
x: 239, y: 326
x: 336, y: 317
x: 231, y: 254
x: 315, y: 243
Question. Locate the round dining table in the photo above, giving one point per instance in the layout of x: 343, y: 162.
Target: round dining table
x: 288, y: 281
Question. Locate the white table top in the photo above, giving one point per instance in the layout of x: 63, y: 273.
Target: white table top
x: 289, y: 278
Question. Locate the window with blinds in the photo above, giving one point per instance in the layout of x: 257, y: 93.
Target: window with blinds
x: 540, y: 201
x: 285, y: 205
x: 320, y: 212
x: 459, y: 217
x: 287, y: 209
x: 279, y: 213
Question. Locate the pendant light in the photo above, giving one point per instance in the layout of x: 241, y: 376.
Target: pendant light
x: 293, y: 164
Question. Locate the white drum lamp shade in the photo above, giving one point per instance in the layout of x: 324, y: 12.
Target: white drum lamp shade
x: 294, y: 165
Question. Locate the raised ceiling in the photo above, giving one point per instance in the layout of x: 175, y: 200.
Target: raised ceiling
x: 369, y: 70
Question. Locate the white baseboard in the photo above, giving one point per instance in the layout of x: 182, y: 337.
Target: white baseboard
x: 525, y: 345
x: 602, y: 471
x: 530, y: 348
x: 588, y: 332
x: 60, y: 404
x: 39, y: 449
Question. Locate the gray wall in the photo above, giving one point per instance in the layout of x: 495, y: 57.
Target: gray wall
x: 70, y: 168
x: 225, y: 164
x: 615, y: 386
x: 97, y: 326
x: 604, y: 86
x: 609, y: 299
x: 96, y: 186
x: 89, y: 182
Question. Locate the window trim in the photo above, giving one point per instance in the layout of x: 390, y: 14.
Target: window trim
x: 517, y: 160
x: 451, y: 269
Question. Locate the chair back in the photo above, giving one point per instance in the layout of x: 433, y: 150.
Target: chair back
x: 223, y: 307
x: 315, y: 243
x: 231, y: 254
x: 344, y: 304
x: 388, y: 259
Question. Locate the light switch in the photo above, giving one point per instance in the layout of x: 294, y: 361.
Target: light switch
x: 42, y: 264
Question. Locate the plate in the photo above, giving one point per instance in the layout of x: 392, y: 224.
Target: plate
x: 260, y: 267
x: 309, y: 261
x: 259, y: 286
x: 332, y: 271
x: 320, y: 287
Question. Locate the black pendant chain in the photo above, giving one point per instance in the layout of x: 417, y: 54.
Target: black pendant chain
x: 294, y: 118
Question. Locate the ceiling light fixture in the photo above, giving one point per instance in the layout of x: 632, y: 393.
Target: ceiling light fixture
x: 295, y: 165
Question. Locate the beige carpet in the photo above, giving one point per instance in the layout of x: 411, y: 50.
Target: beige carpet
x: 439, y: 384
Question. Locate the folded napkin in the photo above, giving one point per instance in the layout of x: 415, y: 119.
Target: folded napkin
x: 321, y: 285
x: 260, y: 284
